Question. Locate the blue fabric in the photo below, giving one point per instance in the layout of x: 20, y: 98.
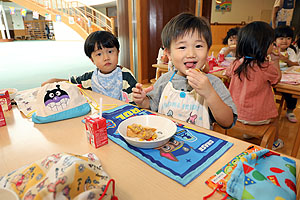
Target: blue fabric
x: 193, y: 153
x: 263, y: 175
x: 108, y: 84
x: 67, y: 114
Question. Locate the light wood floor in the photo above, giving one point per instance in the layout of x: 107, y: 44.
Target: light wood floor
x: 287, y: 130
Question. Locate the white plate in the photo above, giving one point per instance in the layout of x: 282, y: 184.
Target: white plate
x: 8, y: 194
x: 165, y: 129
x: 12, y: 92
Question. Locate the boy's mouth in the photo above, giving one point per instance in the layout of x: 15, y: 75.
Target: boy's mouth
x: 190, y: 65
x: 107, y: 64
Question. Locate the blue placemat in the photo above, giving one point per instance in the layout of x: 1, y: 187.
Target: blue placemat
x: 183, y: 158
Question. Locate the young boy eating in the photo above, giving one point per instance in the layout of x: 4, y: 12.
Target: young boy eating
x: 108, y: 78
x: 187, y: 93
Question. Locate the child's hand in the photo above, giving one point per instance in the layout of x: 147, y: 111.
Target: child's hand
x: 283, y: 58
x: 199, y: 82
x: 139, y: 95
x: 232, y: 48
x: 275, y: 54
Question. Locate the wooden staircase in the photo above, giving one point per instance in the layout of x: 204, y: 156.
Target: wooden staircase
x: 83, y: 15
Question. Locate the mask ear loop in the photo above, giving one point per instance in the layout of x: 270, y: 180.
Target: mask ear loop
x: 93, y: 102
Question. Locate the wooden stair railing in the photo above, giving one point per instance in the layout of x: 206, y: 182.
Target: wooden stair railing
x: 97, y: 18
x: 82, y: 14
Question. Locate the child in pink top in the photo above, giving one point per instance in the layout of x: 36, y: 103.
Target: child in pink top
x: 253, y: 75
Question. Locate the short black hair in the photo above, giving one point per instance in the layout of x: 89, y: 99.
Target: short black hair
x: 102, y: 39
x: 284, y: 31
x: 230, y: 32
x: 182, y: 24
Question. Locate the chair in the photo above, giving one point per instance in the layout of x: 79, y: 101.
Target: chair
x: 264, y: 133
x: 281, y: 102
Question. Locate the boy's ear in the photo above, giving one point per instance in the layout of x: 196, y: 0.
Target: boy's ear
x: 168, y: 53
x: 92, y: 59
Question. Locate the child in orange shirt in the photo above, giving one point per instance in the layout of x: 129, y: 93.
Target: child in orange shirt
x: 252, y: 76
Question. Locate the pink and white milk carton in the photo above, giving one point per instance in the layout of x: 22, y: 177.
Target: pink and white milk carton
x: 5, y: 102
x: 2, y: 118
x: 96, y: 130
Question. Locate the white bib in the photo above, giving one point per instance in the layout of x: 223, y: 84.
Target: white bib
x: 185, y: 106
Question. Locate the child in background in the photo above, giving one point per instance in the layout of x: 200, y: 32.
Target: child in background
x: 108, y: 78
x: 252, y: 76
x: 230, y: 40
x: 188, y: 94
x: 161, y: 57
x: 283, y: 39
x: 287, y: 56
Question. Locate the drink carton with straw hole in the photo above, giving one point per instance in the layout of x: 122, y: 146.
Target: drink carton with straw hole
x: 96, y: 131
x: 5, y: 100
x: 2, y: 118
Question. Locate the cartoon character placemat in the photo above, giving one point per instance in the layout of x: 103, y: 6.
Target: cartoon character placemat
x: 183, y: 158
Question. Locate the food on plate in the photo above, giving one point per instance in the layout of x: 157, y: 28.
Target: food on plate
x: 142, y: 132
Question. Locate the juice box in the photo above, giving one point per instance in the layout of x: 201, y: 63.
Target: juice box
x: 96, y: 130
x: 2, y: 118
x: 5, y: 102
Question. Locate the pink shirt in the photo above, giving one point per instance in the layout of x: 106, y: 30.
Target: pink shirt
x: 254, y: 98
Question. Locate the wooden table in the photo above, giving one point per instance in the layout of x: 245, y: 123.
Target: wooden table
x: 160, y: 69
x: 295, y: 91
x: 22, y: 142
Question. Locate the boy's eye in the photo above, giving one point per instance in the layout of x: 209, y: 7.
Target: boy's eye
x: 199, y: 46
x: 99, y: 54
x: 182, y: 47
x: 110, y: 51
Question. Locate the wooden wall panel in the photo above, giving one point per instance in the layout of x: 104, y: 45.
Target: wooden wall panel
x: 123, y: 33
x: 206, y: 9
x: 154, y: 15
x: 219, y: 32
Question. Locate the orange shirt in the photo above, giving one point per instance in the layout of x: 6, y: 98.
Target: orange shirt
x: 254, y: 97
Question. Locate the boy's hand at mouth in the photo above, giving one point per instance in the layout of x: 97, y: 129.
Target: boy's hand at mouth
x: 199, y: 81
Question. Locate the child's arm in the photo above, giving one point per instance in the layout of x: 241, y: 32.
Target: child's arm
x: 222, y: 112
x: 139, y: 95
x: 275, y: 58
x: 229, y: 49
x: 53, y: 80
x: 286, y: 59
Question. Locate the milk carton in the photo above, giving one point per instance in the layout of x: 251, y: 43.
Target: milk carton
x: 2, y: 118
x: 5, y: 102
x: 96, y: 130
